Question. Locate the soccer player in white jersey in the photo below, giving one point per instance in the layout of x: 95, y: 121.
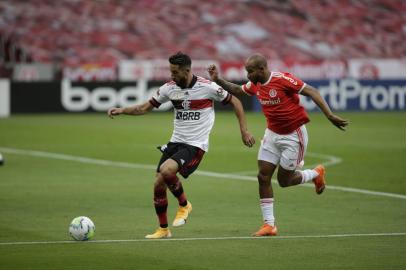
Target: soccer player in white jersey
x: 192, y: 98
x: 285, y: 139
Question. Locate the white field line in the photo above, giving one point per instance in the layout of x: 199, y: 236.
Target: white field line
x: 228, y: 176
x: 330, y: 161
x: 206, y: 238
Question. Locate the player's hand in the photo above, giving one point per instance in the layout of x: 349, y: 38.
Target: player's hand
x: 213, y: 72
x: 114, y: 111
x: 338, y: 121
x: 248, y: 139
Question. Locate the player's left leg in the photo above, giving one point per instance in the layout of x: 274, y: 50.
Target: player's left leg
x: 188, y: 158
x: 294, y: 147
x: 168, y: 170
x: 287, y: 178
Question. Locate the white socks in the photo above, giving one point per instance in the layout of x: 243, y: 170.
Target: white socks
x: 308, y: 175
x: 267, y: 203
x: 267, y: 210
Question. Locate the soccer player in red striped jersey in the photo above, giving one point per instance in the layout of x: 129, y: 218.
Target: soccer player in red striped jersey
x: 285, y: 140
x: 192, y: 98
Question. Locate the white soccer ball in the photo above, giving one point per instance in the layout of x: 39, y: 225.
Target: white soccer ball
x: 82, y: 228
x: 1, y: 159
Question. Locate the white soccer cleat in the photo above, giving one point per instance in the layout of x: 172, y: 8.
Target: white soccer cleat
x: 182, y: 215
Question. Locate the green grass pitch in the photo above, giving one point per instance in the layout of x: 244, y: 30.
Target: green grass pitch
x: 40, y: 194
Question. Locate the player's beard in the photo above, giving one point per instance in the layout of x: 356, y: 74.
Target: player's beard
x: 253, y: 79
x: 181, y: 82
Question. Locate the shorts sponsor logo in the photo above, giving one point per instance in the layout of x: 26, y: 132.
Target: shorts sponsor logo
x: 164, y: 147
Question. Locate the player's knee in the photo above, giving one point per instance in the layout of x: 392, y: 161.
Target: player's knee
x: 159, y: 190
x: 166, y: 172
x: 263, y: 179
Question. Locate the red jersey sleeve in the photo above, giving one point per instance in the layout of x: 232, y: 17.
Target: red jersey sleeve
x: 249, y: 88
x: 292, y: 83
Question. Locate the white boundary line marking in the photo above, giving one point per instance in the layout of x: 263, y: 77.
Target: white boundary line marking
x: 227, y: 176
x: 205, y: 238
x: 331, y: 160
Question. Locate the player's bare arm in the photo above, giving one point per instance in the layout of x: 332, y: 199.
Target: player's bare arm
x: 228, y: 86
x: 132, y: 110
x: 321, y: 103
x: 247, y: 138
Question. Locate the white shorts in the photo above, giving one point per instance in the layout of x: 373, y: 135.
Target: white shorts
x: 287, y: 150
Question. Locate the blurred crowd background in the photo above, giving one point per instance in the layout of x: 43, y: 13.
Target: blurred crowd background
x: 73, y: 33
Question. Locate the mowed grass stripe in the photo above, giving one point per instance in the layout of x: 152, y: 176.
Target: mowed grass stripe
x: 198, y: 172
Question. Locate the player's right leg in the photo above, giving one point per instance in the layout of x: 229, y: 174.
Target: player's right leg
x: 161, y: 206
x: 268, y: 159
x: 265, y: 172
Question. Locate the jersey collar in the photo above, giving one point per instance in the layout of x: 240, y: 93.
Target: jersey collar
x: 268, y: 81
x: 192, y: 83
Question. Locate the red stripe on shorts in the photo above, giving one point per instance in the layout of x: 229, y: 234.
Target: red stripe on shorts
x: 301, y: 146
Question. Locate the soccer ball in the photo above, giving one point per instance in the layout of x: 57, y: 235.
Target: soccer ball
x: 1, y: 159
x: 82, y: 228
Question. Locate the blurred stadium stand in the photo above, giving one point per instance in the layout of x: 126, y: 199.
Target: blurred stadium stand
x: 71, y: 32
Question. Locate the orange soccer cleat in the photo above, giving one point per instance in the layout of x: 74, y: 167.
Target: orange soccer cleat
x: 320, y: 180
x: 266, y: 230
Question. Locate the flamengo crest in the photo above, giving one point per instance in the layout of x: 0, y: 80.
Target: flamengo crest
x: 186, y: 104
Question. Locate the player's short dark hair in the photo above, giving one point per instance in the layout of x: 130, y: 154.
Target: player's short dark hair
x: 181, y: 59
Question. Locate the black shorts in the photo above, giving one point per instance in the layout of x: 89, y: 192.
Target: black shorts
x: 187, y: 156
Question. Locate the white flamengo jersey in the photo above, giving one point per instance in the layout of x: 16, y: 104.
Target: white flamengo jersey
x: 193, y: 109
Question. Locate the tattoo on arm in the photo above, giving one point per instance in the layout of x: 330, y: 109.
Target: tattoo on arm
x: 230, y: 87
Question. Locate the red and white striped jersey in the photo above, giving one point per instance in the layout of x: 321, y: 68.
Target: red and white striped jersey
x: 193, y: 109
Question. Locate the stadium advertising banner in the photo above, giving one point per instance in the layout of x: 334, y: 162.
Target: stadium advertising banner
x: 377, y: 68
x: 360, y: 95
x: 67, y: 96
x: 307, y: 70
x: 132, y: 70
x: 91, y: 72
x: 4, y: 98
x: 33, y: 72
